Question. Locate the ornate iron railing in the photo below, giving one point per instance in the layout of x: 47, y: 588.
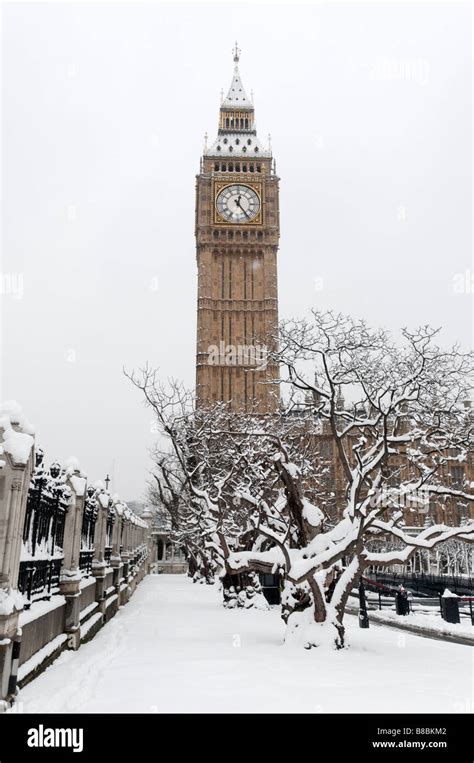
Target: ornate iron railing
x: 137, y: 558
x: 44, y: 520
x: 39, y: 578
x: 87, y: 532
x: 43, y: 533
x: 85, y: 562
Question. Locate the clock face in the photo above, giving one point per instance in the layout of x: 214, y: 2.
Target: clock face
x: 238, y: 204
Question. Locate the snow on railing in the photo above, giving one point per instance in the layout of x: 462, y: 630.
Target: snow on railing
x: 52, y: 494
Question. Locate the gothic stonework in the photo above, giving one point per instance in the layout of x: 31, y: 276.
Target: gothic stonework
x: 237, y: 233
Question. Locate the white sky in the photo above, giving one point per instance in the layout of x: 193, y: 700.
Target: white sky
x: 104, y: 110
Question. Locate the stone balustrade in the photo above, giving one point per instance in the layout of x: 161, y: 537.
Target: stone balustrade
x: 71, y: 554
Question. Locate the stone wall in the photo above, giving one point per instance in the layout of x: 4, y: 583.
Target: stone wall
x: 99, y: 556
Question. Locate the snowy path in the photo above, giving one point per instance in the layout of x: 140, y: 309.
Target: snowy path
x: 173, y: 648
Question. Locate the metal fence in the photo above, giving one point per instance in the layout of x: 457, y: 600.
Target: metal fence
x: 423, y: 583
x: 380, y: 596
x: 43, y: 536
x: 89, y: 519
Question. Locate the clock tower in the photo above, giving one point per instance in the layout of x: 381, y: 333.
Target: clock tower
x: 237, y: 233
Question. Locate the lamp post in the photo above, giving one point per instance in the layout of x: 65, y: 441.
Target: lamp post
x: 363, y: 616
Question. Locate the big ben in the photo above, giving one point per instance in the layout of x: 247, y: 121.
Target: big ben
x: 237, y: 234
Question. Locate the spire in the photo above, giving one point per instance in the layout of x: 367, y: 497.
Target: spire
x: 340, y: 402
x: 237, y: 133
x: 237, y: 97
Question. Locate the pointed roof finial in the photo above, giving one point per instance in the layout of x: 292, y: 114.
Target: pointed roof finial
x: 222, y: 94
x: 206, y: 136
x: 237, y: 97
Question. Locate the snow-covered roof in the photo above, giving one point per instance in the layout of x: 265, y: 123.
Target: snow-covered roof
x: 237, y: 98
x: 240, y: 145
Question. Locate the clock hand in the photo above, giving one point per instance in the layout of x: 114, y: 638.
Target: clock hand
x: 237, y: 201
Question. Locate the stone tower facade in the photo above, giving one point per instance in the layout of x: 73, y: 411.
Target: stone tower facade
x: 237, y: 233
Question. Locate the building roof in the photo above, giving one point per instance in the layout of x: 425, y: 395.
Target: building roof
x: 237, y: 136
x: 237, y: 98
x: 238, y: 145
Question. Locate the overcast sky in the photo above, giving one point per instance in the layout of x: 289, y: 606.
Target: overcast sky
x: 104, y: 110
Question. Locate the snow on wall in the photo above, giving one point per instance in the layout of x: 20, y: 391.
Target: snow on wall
x: 40, y: 608
x: 17, y: 436
x: 90, y: 608
x: 18, y: 445
x: 10, y: 600
x: 90, y: 624
x: 79, y: 484
x: 41, y: 655
x: 86, y: 582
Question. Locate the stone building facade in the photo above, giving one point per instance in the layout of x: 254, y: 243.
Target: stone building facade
x: 237, y: 234
x: 419, y: 510
x: 237, y: 227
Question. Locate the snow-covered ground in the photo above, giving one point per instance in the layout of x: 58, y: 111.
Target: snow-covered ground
x: 174, y: 648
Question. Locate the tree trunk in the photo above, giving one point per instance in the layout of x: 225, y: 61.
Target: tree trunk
x: 243, y: 590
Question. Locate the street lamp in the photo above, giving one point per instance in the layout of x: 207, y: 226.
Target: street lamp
x: 363, y: 616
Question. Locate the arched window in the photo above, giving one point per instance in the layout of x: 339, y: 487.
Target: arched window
x: 160, y: 549
x: 246, y: 123
x: 227, y: 122
x: 231, y: 167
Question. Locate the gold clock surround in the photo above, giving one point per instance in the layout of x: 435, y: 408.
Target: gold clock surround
x: 233, y: 180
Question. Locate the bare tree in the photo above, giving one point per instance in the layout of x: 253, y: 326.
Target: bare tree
x: 248, y: 492
x: 406, y: 423
x: 217, y: 479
